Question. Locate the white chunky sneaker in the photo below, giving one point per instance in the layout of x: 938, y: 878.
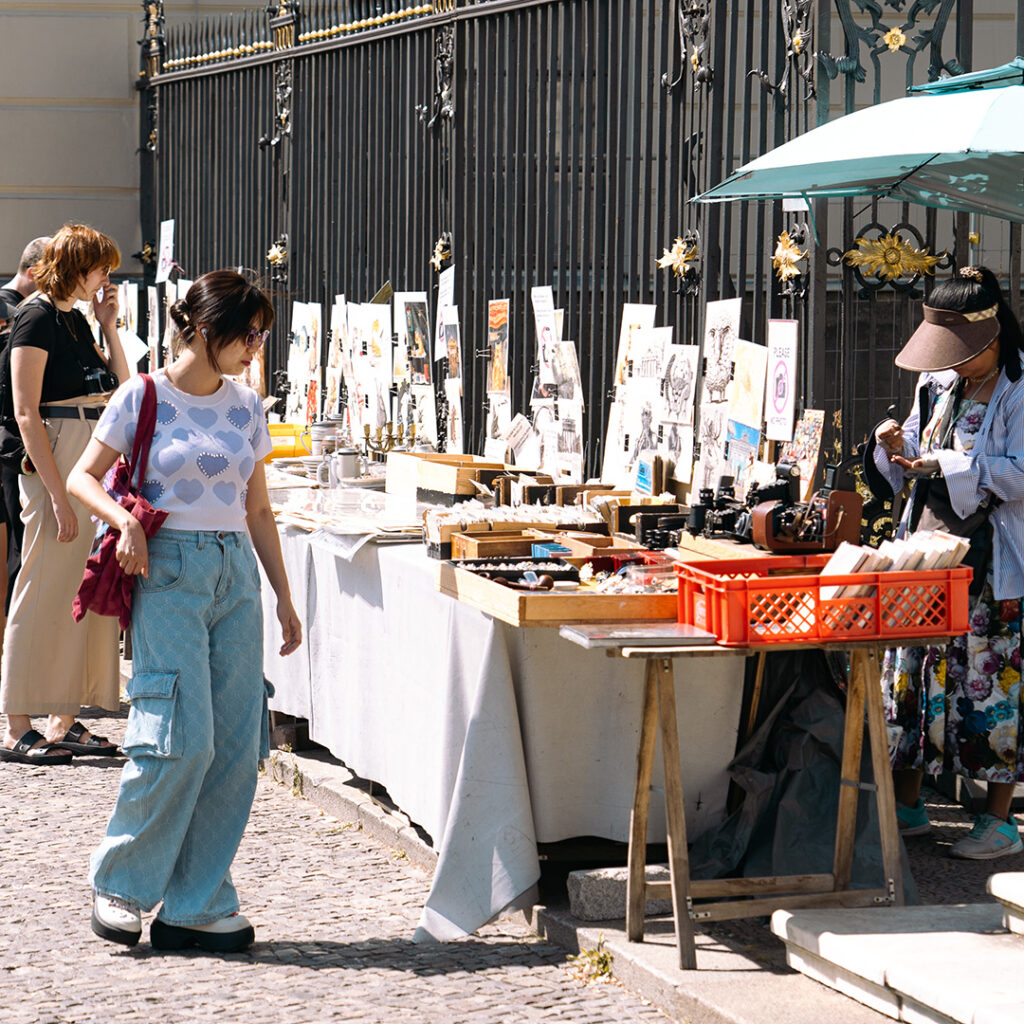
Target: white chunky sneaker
x: 229, y: 934
x: 116, y: 920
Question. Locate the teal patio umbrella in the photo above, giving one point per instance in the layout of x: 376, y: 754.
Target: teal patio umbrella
x: 956, y: 144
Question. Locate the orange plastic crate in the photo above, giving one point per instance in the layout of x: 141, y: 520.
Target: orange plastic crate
x: 747, y: 602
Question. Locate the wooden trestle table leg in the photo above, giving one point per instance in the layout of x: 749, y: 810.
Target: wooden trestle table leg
x: 659, y: 703
x: 636, y: 877
x: 678, y: 854
x: 864, y: 693
x: 881, y: 766
x: 849, y: 773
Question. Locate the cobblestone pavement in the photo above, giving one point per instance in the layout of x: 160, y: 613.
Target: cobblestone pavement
x: 333, y: 911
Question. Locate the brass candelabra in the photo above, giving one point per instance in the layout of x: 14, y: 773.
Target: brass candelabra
x: 386, y: 438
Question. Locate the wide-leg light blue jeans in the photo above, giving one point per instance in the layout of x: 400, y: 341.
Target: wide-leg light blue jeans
x: 195, y: 732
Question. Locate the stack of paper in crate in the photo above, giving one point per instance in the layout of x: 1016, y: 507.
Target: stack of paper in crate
x: 925, y: 550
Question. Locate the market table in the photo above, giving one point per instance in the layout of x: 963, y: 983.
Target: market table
x: 731, y: 898
x: 491, y: 738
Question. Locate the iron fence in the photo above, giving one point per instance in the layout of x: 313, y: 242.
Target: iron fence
x: 548, y: 141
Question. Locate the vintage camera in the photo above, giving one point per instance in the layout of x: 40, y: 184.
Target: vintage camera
x: 716, y: 512
x: 783, y: 523
x: 99, y: 381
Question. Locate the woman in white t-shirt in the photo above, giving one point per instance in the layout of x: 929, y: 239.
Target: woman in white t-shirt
x: 197, y: 691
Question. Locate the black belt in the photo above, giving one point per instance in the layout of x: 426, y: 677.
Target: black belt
x: 70, y: 412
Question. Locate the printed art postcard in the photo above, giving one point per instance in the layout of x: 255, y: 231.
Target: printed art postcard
x: 647, y: 352
x: 417, y: 334
x: 721, y: 330
x: 499, y: 415
x: 455, y: 442
x: 805, y: 447
x: 712, y: 464
x: 745, y: 392
x: 679, y: 379
x: 400, y: 301
x: 742, y: 443
x: 677, y: 446
x: 635, y: 317
x: 565, y: 367
x: 452, y: 344
x: 641, y: 419
x: 614, y: 457
x: 445, y: 297
x: 548, y: 335
x: 425, y: 413
x: 497, y: 345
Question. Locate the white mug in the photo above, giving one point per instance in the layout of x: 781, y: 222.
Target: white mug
x: 327, y: 472
x: 347, y: 460
x: 318, y: 433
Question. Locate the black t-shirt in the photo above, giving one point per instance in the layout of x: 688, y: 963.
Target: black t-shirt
x: 68, y: 343
x: 12, y: 297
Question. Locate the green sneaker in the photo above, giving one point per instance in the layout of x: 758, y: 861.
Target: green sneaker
x: 913, y: 821
x: 991, y: 837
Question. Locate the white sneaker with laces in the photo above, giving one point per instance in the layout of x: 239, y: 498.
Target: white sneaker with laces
x: 116, y: 920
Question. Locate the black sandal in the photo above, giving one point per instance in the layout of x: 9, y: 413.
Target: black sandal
x: 99, y: 746
x: 25, y: 751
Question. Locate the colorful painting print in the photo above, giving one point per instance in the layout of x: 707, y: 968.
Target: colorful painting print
x: 497, y: 343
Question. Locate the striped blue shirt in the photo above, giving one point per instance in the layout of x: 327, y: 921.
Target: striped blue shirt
x: 995, y: 466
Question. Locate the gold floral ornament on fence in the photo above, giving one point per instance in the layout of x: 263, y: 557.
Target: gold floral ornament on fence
x: 277, y: 254
x: 894, y: 39
x: 679, y: 258
x: 442, y: 252
x: 889, y: 257
x: 786, y: 257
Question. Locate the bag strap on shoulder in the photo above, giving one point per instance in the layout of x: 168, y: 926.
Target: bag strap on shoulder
x: 143, y: 430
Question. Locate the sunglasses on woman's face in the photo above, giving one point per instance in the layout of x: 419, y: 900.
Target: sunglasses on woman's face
x: 255, y: 338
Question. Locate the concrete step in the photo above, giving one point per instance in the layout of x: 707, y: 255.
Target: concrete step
x: 922, y: 965
x: 1008, y: 888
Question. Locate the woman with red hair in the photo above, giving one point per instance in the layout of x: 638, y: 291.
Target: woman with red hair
x: 58, y: 379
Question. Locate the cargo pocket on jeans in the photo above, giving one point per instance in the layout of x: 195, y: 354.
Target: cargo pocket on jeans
x: 268, y: 692
x: 152, y: 727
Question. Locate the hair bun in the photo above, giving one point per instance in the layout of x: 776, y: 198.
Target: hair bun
x: 179, y: 313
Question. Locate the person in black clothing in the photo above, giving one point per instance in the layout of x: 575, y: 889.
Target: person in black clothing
x: 23, y: 284
x: 13, y: 293
x: 57, y: 381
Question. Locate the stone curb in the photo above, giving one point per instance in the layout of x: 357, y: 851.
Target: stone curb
x: 736, y: 990
x: 321, y: 780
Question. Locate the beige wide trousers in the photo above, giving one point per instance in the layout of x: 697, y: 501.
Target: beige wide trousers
x: 51, y: 664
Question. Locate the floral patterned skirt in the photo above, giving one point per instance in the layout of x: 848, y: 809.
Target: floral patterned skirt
x: 959, y: 706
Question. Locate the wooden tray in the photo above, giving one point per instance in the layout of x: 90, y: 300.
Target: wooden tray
x: 525, y: 608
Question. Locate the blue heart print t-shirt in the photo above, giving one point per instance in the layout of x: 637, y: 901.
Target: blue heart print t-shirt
x: 204, y: 450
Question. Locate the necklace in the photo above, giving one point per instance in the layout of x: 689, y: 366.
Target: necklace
x: 63, y: 319
x: 953, y: 420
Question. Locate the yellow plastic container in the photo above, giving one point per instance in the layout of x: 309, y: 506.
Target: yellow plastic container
x: 290, y: 440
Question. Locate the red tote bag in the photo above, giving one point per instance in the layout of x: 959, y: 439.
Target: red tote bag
x: 106, y: 589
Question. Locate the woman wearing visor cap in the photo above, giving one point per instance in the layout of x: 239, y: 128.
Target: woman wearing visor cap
x: 959, y: 706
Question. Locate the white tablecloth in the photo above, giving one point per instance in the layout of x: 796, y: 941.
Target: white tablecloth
x: 490, y: 738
